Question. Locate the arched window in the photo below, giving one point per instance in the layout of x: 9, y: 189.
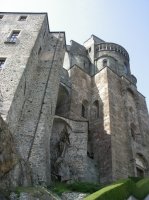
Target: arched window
x: 141, y: 165
x: 84, y: 112
x: 63, y: 102
x: 105, y: 62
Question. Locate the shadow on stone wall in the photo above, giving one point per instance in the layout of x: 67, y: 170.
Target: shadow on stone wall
x: 98, y: 152
x: 99, y: 141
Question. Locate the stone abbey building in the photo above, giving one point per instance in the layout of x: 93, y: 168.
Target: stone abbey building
x: 68, y: 112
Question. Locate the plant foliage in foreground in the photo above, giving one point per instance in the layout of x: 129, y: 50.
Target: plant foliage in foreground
x: 142, y: 189
x: 122, y: 189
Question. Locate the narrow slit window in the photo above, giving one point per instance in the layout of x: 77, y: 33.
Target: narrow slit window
x: 39, y: 51
x: 105, y: 62
x: 83, y: 111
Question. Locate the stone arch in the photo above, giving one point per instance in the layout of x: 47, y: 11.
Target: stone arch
x: 141, y: 165
x: 84, y: 109
x: 95, y: 110
x: 59, y: 144
x: 63, y: 102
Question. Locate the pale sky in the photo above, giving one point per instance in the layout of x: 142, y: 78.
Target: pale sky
x: 125, y: 22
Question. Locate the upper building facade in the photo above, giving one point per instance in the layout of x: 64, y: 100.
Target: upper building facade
x: 74, y: 111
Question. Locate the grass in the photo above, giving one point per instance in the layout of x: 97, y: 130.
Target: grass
x: 120, y: 190
x: 135, y: 179
x: 58, y: 188
x: 83, y: 187
x: 35, y: 191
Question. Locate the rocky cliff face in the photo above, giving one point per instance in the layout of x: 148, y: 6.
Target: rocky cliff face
x: 13, y: 170
x: 8, y: 157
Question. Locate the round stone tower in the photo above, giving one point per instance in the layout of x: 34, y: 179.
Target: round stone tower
x: 115, y: 57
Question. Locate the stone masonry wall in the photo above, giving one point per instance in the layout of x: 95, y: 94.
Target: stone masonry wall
x: 26, y: 80
x: 80, y: 82
x: 104, y: 122
x: 121, y: 146
x: 122, y: 102
x: 34, y: 129
x: 100, y: 127
x: 29, y: 101
x: 69, y: 141
x: 17, y: 55
x: 41, y: 145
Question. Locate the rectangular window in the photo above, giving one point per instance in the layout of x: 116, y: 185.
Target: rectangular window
x: 22, y: 18
x: 1, y: 16
x: 13, y: 37
x: 2, y: 61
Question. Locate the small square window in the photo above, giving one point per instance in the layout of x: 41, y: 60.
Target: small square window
x: 1, y: 16
x: 2, y: 62
x: 22, y: 18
